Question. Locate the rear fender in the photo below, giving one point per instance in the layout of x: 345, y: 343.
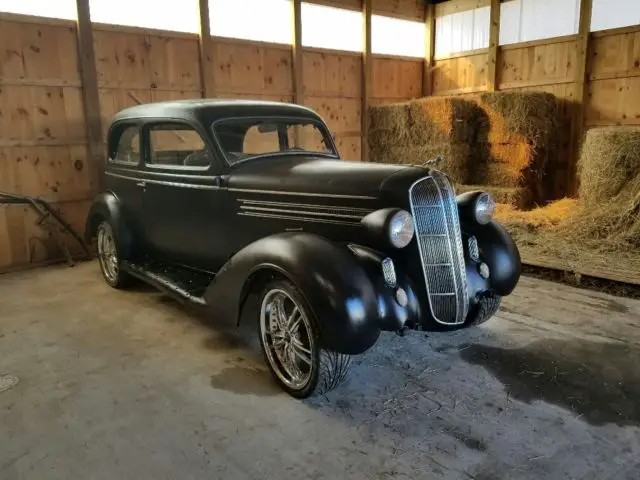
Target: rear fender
x: 334, y: 284
x: 107, y: 206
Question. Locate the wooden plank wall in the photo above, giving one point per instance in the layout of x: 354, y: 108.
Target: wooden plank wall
x: 43, y: 140
x: 549, y: 65
x: 43, y: 144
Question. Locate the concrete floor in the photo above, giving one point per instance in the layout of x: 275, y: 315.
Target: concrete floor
x: 131, y: 385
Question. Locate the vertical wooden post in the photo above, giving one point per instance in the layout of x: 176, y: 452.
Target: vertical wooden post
x: 296, y: 64
x: 582, y: 94
x: 494, y: 45
x: 366, y: 79
x: 206, y: 51
x: 90, y: 97
x: 430, y: 43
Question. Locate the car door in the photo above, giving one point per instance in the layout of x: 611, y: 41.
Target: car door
x: 123, y: 176
x: 184, y: 206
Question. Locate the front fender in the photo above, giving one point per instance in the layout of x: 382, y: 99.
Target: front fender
x: 500, y: 253
x: 106, y: 206
x: 334, y: 284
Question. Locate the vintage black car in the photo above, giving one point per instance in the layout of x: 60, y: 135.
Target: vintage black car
x: 220, y: 201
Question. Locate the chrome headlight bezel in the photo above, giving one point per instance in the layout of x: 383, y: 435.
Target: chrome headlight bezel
x: 400, y: 229
x: 484, y: 208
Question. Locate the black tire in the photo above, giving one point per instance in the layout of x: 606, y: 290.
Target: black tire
x: 325, y: 371
x: 485, y: 309
x: 110, y: 263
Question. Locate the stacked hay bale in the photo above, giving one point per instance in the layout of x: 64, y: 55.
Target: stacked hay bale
x: 517, y: 139
x: 419, y: 130
x: 609, y: 192
x: 602, y: 227
x: 499, y: 141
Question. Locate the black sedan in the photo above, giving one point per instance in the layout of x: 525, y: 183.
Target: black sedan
x: 215, y: 200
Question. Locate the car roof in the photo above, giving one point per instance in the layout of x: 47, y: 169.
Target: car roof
x: 211, y: 109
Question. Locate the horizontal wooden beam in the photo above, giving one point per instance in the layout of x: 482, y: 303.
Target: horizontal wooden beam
x: 534, y: 83
x: 40, y: 82
x: 468, y: 53
x: 43, y: 142
x: 538, y: 43
x: 457, y: 6
x: 460, y: 91
x: 616, y: 31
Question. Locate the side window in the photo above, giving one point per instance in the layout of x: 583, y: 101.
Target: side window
x: 261, y: 138
x: 127, y: 151
x: 177, y: 145
x: 307, y: 137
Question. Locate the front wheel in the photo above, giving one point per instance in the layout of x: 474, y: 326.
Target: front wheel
x: 108, y: 257
x: 290, y: 341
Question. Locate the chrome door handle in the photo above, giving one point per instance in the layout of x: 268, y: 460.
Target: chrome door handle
x: 141, y: 184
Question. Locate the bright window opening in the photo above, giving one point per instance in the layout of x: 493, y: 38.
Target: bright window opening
x: 528, y: 20
x: 259, y: 20
x: 329, y: 27
x: 167, y: 15
x: 462, y: 31
x: 607, y: 14
x: 392, y: 36
x: 65, y: 9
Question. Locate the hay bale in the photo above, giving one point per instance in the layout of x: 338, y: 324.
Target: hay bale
x: 609, y: 161
x: 419, y: 130
x: 517, y: 136
x: 514, y: 117
x: 443, y: 120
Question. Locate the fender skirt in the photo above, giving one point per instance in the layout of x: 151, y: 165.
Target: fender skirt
x: 336, y: 287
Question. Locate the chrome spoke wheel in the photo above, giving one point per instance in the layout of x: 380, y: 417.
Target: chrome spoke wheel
x: 107, y: 253
x: 287, y: 339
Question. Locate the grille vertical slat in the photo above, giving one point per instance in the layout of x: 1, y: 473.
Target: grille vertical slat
x: 437, y: 227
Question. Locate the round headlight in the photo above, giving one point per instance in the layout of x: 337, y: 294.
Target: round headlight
x: 485, y: 207
x: 401, y: 229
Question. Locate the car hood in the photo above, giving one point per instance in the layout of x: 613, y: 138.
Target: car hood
x: 308, y: 175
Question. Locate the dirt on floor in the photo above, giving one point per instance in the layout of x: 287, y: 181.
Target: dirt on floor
x: 130, y: 384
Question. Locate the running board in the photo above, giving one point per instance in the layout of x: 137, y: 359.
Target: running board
x: 181, y: 283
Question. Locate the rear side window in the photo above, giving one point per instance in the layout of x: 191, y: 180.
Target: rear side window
x: 127, y: 150
x: 177, y: 145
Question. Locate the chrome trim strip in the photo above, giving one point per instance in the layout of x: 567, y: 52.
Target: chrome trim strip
x: 364, y: 211
x: 299, y: 219
x: 162, y: 182
x: 302, y: 194
x: 298, y: 212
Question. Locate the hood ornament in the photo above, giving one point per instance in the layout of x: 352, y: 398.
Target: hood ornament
x: 435, y: 161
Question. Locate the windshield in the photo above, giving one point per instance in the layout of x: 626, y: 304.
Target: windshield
x: 243, y: 138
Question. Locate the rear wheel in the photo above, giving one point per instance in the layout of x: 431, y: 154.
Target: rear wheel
x: 108, y: 256
x: 290, y: 341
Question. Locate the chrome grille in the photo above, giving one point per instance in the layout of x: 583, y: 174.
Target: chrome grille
x: 435, y: 215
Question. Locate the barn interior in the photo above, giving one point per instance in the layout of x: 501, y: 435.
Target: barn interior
x: 534, y: 101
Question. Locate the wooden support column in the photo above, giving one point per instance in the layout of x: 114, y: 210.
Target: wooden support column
x: 90, y: 97
x: 494, y: 42
x: 206, y: 51
x: 296, y: 64
x: 582, y: 91
x: 366, y: 79
x: 430, y: 42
